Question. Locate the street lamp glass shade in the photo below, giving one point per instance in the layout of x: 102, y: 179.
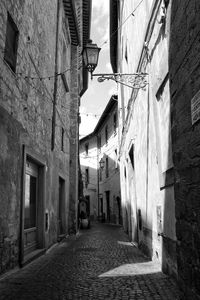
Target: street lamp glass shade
x: 101, y: 163
x: 91, y: 56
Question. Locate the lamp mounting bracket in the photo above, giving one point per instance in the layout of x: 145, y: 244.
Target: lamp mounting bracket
x: 134, y: 80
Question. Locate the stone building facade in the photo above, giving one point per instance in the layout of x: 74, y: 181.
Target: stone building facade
x: 102, y: 181
x: 146, y: 166
x: 184, y: 71
x: 88, y: 162
x: 41, y: 83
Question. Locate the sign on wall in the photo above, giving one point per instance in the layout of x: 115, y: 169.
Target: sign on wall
x: 195, y: 108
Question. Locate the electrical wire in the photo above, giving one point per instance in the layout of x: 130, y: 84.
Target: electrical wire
x: 43, y: 78
x: 120, y: 26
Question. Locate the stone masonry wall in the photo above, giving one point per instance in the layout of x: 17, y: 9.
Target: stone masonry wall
x: 184, y: 69
x: 74, y: 106
x: 25, y: 119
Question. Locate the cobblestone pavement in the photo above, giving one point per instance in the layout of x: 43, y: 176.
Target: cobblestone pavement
x: 99, y: 263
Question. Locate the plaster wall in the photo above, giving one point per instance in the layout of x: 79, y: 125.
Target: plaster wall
x: 26, y: 106
x: 147, y: 188
x: 90, y: 162
x: 111, y: 182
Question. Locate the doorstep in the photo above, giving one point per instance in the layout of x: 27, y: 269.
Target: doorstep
x: 33, y: 255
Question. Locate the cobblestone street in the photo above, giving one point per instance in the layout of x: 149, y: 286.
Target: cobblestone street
x: 98, y: 263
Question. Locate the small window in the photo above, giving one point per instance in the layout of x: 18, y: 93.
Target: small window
x: 12, y: 33
x: 166, y: 2
x: 107, y: 167
x: 64, y: 57
x: 62, y: 139
x: 86, y: 149
x: 126, y: 54
x: 131, y: 155
x: 64, y: 67
x: 115, y: 122
x: 86, y: 177
x: 116, y: 159
x: 106, y: 134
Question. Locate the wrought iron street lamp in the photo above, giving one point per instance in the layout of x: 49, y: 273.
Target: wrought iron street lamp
x: 90, y: 58
x: 101, y: 163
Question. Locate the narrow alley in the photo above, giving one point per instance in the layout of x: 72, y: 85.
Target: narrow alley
x: 99, y: 263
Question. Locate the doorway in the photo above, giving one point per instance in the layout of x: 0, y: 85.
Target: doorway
x: 31, y: 208
x: 108, y: 205
x: 61, y: 207
x: 32, y: 227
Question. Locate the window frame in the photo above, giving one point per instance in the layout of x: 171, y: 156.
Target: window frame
x: 106, y: 134
x: 62, y: 139
x: 107, y: 167
x: 10, y: 55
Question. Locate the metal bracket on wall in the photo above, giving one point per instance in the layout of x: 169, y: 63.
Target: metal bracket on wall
x: 134, y: 81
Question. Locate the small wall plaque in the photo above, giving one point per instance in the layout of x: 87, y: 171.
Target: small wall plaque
x: 195, y: 108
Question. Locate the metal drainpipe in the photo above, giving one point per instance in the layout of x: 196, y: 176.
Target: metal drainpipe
x: 55, y: 79
x: 97, y: 180
x: 147, y: 159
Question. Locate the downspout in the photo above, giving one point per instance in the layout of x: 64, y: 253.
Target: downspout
x: 98, y: 208
x: 55, y: 78
x: 147, y: 160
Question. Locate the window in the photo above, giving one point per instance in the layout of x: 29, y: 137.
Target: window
x: 64, y: 67
x: 115, y: 122
x: 106, y: 134
x: 64, y: 57
x: 116, y: 159
x: 86, y: 177
x: 12, y: 33
x: 30, y: 201
x: 166, y: 2
x: 107, y: 170
x: 86, y: 149
x: 126, y: 54
x: 131, y: 155
x: 62, y: 139
x: 31, y: 187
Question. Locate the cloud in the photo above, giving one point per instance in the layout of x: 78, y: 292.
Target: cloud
x: 88, y: 123
x: 100, y: 6
x: 100, y: 21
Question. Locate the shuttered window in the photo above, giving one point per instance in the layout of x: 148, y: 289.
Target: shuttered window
x: 12, y: 33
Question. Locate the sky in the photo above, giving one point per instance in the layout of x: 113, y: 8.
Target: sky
x: 98, y: 94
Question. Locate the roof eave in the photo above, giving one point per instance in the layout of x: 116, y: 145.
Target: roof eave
x: 70, y: 13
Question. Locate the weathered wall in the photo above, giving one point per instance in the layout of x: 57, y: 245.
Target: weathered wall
x: 184, y: 84
x: 26, y: 105
x: 147, y: 187
x: 102, y: 184
x: 74, y: 106
x: 109, y: 150
x: 10, y: 175
x: 90, y: 161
